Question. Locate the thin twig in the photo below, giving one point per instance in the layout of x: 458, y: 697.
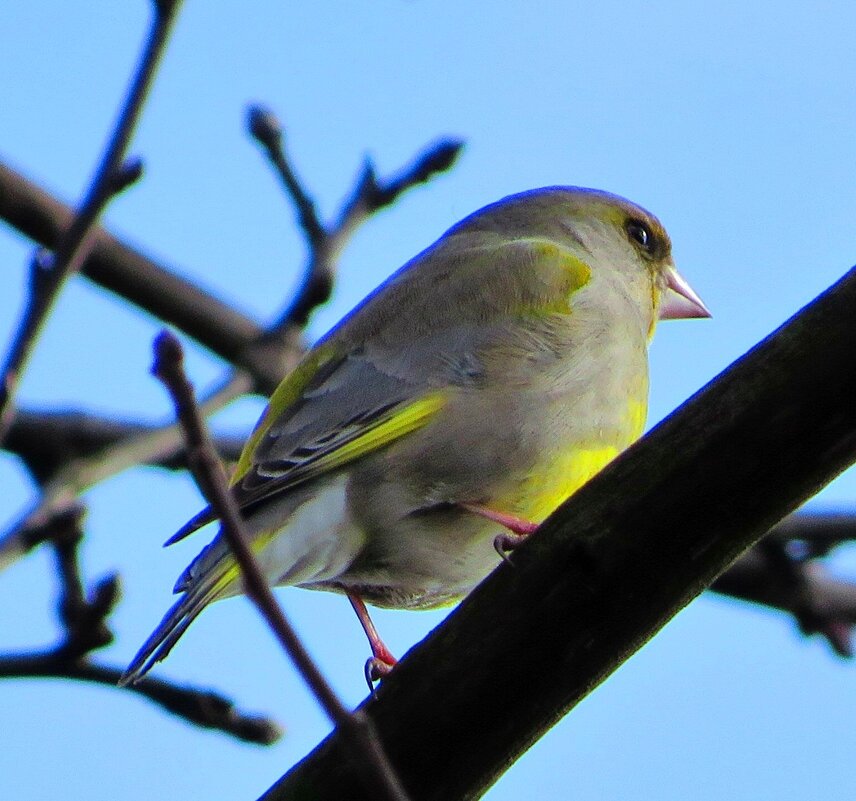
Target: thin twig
x: 84, y: 619
x: 209, y: 474
x: 83, y: 616
x: 369, y: 195
x: 266, y: 129
x: 199, y: 706
x: 112, y: 176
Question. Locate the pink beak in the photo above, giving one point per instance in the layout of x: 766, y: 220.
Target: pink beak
x: 679, y: 301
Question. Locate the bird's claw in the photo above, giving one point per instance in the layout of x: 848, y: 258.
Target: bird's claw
x: 375, y: 670
x: 506, y: 543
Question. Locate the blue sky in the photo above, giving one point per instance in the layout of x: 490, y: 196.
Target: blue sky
x: 733, y: 122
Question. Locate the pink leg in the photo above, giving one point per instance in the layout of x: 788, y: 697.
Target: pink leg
x: 515, y: 525
x: 518, y: 528
x: 382, y: 661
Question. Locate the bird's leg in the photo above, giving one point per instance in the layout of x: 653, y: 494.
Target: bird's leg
x: 382, y: 660
x: 518, y: 528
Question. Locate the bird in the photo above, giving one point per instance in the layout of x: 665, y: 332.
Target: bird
x: 446, y: 416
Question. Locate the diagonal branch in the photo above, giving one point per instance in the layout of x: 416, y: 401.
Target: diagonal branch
x: 48, y: 276
x: 377, y: 771
x: 119, y: 268
x: 614, y: 564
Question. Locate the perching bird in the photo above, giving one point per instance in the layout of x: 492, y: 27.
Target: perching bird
x: 470, y: 394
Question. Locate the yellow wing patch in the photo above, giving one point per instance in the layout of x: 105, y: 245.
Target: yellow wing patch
x: 385, y: 430
x: 352, y: 445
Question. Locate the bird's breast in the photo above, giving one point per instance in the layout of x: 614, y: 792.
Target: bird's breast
x: 572, y: 454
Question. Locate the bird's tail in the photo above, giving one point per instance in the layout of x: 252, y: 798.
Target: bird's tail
x: 176, y: 621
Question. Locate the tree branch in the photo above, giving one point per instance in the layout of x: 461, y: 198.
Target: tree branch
x: 117, y: 267
x: 325, y: 242
x: 376, y: 771
x: 818, y: 603
x: 48, y: 275
x: 46, y: 441
x: 61, y: 488
x: 614, y: 564
x: 198, y: 706
x: 155, y: 288
x: 84, y: 619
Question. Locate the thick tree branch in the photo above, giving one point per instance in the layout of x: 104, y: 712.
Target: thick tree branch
x: 614, y: 564
x: 49, y: 274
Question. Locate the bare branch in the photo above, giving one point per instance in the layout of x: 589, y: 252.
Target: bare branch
x: 325, y: 242
x: 372, y: 194
x: 614, y: 564
x: 202, y: 707
x: 267, y: 131
x: 818, y: 603
x: 119, y: 268
x: 63, y: 481
x: 817, y: 532
x: 111, y: 177
x: 378, y: 772
x: 84, y: 619
x: 46, y: 441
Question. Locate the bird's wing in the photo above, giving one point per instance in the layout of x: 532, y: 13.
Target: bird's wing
x: 331, y: 410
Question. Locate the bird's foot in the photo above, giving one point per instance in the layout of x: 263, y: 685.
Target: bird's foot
x: 506, y: 543
x: 518, y: 528
x: 382, y: 661
x: 377, y: 669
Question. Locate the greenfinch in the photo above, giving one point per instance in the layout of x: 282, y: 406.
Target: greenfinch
x: 452, y: 411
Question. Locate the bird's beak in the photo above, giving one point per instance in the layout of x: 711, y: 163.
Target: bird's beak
x: 679, y: 301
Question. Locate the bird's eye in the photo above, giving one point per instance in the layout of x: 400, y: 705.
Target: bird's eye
x: 640, y: 234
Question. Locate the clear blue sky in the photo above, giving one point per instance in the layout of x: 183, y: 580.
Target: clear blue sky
x: 734, y: 122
